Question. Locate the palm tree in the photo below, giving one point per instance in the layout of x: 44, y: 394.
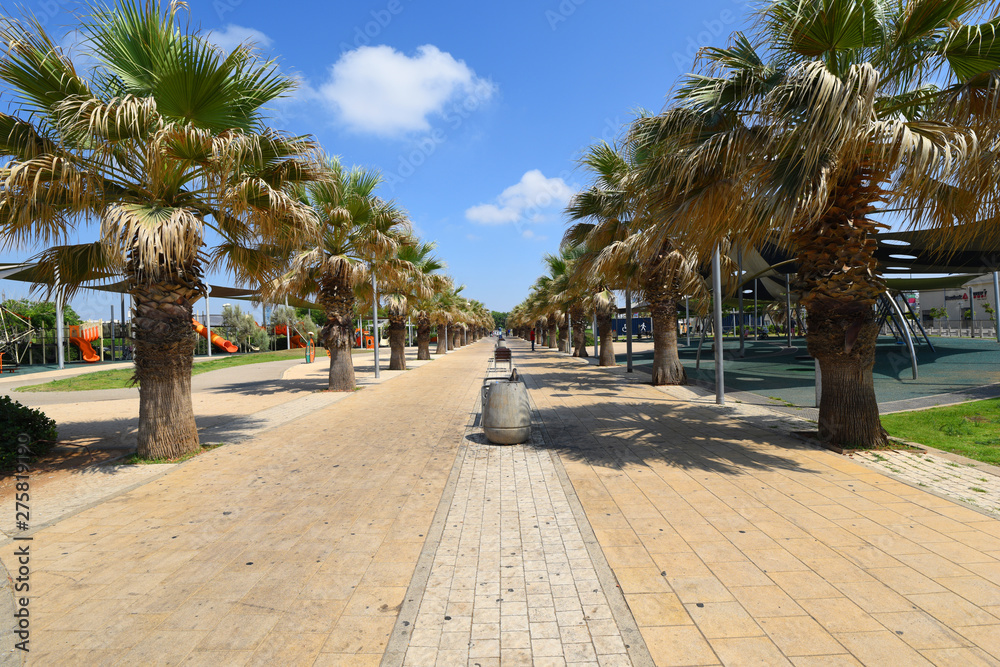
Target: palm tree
x: 164, y: 137
x: 806, y: 125
x: 357, y: 228
x: 413, y: 280
x: 444, y: 312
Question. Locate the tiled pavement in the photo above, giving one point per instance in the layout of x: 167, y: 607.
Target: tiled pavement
x: 295, y: 547
x: 736, y: 545
x: 512, y: 581
x: 730, y: 544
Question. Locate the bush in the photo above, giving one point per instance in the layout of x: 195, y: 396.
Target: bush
x: 17, y: 419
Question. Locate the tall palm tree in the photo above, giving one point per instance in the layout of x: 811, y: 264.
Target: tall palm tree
x: 621, y: 247
x: 164, y: 137
x: 356, y: 229
x: 810, y: 122
x: 413, y: 280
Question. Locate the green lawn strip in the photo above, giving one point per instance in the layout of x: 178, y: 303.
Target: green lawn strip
x: 970, y: 429
x: 120, y: 378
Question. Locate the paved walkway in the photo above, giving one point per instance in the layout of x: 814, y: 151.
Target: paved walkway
x: 295, y: 547
x: 635, y: 527
x: 738, y: 545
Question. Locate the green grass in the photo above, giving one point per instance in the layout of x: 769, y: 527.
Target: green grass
x: 969, y: 429
x: 120, y: 378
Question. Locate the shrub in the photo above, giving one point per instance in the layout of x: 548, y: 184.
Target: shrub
x: 17, y: 419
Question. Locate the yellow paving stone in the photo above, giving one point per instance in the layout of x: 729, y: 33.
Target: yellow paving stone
x: 958, y: 657
x: 723, y: 619
x: 952, y: 609
x: 986, y: 637
x: 641, y: 580
x: 163, y: 647
x: 741, y: 573
x: 681, y: 564
x: 800, y: 635
x: 804, y: 585
x: 678, y: 645
x: 840, y: 615
x: 880, y: 647
x: 748, y: 651
x: 765, y: 601
x: 651, y: 609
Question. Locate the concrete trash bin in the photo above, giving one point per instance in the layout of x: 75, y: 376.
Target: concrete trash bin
x: 507, y: 413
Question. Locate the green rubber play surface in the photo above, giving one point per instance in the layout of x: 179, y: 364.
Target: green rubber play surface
x: 773, y: 371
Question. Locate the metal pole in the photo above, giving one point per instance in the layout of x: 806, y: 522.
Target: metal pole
x: 208, y: 321
x: 597, y: 353
x: 569, y: 339
x: 739, y: 300
x: 819, y: 382
x: 687, y: 319
x: 756, y: 316
x: 59, y: 323
x: 375, y: 319
x: 720, y: 375
x: 628, y: 331
x: 972, y: 313
x: 112, y: 325
x: 906, y: 333
x: 788, y: 307
x: 996, y: 303
x: 445, y: 338
x: 288, y: 327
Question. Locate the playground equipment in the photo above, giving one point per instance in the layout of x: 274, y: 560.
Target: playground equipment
x: 369, y: 340
x: 14, y: 332
x: 282, y: 330
x: 82, y: 335
x: 217, y: 340
x: 311, y: 349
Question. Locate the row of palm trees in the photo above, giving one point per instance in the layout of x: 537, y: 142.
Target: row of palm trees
x: 819, y: 116
x: 165, y: 141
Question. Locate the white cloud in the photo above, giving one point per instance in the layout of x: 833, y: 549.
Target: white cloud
x: 232, y: 36
x: 528, y: 199
x: 379, y: 90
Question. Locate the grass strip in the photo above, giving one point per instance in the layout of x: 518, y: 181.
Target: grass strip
x: 968, y: 429
x: 120, y: 378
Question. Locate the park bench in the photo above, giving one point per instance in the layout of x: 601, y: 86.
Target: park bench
x: 11, y: 367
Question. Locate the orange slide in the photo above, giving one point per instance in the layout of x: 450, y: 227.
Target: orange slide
x: 282, y: 330
x: 82, y: 335
x: 217, y: 340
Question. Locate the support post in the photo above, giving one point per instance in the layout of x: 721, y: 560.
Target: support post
x: 375, y: 319
x: 720, y: 375
x: 996, y: 303
x: 597, y: 353
x: 819, y: 382
x: 687, y: 319
x: 288, y: 328
x: 628, y: 331
x: 788, y: 307
x: 208, y: 321
x: 61, y: 354
x: 739, y: 299
x: 905, y: 330
x: 972, y: 313
x: 756, y: 316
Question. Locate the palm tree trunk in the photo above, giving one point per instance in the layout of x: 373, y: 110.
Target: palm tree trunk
x: 579, y: 333
x: 455, y: 339
x: 605, y: 325
x: 839, y: 283
x: 164, y: 348
x: 337, y: 299
x: 667, y: 366
x: 551, y: 340
x: 465, y: 337
x: 397, y: 343
x: 442, y: 342
x: 563, y: 335
x: 423, y: 339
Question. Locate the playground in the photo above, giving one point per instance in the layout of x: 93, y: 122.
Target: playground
x: 771, y: 370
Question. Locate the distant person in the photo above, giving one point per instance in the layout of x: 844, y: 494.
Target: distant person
x: 531, y: 337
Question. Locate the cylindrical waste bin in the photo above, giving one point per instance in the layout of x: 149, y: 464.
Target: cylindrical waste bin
x: 507, y: 414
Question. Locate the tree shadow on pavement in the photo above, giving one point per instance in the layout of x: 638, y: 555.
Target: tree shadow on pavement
x: 686, y: 435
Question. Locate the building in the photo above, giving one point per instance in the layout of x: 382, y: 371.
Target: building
x: 978, y: 292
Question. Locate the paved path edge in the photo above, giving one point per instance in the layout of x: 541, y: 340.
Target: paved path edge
x: 638, y: 653
x: 395, y: 650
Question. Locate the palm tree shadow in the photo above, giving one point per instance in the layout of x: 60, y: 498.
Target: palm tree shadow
x: 667, y: 431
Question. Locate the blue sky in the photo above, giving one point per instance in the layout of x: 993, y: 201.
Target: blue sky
x: 475, y: 112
